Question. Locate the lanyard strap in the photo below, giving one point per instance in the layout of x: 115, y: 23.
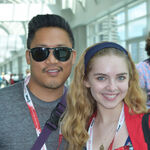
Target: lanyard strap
x: 52, y: 122
x: 32, y: 109
x: 90, y: 131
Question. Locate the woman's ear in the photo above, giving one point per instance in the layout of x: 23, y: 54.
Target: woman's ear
x: 86, y: 83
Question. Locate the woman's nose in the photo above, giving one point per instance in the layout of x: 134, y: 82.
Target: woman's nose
x: 112, y: 85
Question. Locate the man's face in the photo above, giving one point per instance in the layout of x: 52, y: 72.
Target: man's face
x: 50, y: 73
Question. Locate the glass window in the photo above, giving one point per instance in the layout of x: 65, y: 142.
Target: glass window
x: 7, y: 54
x: 34, y: 9
x: 137, y: 11
x: 113, y: 24
x: 91, y: 29
x: 133, y: 49
x: 19, y: 44
x: 3, y: 47
x: 1, y: 59
x: 67, y: 4
x: 100, y: 27
x: 103, y: 25
x: 137, y: 28
x: 52, y: 2
x: 20, y: 12
x: 15, y: 27
x: 2, y: 32
x: 121, y: 32
x: 46, y: 10
x: 101, y: 37
x: 142, y: 52
x: 91, y: 40
x: 122, y: 43
x: 11, y: 42
x: 3, y: 43
x: 6, y: 11
x: 120, y: 18
x: 15, y: 66
x: 83, y: 2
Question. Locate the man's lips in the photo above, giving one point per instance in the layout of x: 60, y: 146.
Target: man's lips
x: 52, y: 69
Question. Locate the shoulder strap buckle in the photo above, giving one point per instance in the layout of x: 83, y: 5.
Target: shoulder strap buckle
x: 52, y: 122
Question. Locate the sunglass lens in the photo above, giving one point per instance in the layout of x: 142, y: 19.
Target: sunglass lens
x: 39, y: 53
x: 62, y: 53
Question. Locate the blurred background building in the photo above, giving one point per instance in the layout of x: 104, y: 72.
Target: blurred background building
x: 126, y: 22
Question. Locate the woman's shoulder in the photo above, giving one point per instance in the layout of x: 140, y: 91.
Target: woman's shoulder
x: 132, y: 116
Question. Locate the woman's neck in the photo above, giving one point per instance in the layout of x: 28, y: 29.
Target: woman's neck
x: 105, y: 115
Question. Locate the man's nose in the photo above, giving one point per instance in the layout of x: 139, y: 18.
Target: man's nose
x: 51, y: 58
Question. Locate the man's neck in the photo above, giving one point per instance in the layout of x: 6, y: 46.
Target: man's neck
x: 46, y: 94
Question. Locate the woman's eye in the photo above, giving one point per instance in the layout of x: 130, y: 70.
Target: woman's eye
x: 101, y: 78
x: 121, y: 78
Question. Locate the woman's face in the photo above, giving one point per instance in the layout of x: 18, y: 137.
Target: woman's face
x: 108, y: 80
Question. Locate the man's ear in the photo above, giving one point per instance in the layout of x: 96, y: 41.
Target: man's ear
x: 73, y: 56
x: 28, y: 57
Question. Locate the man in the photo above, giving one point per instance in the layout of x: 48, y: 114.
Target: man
x: 143, y: 68
x: 50, y: 56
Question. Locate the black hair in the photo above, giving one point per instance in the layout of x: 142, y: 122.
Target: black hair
x: 47, y: 20
x: 147, y: 47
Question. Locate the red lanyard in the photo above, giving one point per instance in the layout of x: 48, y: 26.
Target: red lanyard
x: 32, y: 109
x: 59, y: 140
x: 90, y: 131
x: 111, y: 145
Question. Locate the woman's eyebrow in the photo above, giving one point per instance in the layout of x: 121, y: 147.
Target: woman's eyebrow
x: 124, y: 73
x: 102, y: 74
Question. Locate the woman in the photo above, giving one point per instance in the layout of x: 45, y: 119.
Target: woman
x: 105, y: 103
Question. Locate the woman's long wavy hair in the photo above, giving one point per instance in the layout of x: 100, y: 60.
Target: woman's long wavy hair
x: 81, y: 105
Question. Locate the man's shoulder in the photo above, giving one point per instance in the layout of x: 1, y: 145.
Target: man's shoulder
x: 143, y: 65
x: 11, y: 100
x: 12, y: 89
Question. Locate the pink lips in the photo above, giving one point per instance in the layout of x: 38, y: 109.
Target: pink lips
x: 53, y: 72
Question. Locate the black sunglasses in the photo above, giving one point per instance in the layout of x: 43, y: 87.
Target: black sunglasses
x: 42, y: 53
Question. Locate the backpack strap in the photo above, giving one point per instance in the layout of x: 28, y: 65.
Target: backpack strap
x: 146, y: 128
x: 51, y: 124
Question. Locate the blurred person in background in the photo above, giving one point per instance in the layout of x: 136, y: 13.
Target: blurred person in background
x: 144, y: 72
x: 11, y: 80
x: 1, y: 80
